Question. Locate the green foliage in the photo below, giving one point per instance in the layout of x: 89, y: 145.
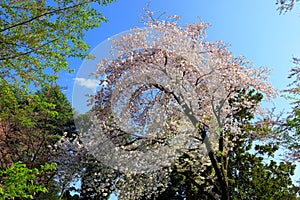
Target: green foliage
x: 31, y: 123
x: 254, y: 173
x: 37, y: 37
x: 20, y: 181
x: 59, y: 117
x: 253, y: 177
x: 290, y: 129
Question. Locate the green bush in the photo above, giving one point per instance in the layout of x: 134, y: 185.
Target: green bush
x: 20, y: 181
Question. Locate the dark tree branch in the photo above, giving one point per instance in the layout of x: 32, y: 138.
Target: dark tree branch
x: 28, y: 52
x: 41, y: 15
x: 188, y: 111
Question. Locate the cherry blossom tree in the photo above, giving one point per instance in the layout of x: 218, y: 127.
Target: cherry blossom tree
x: 165, y: 91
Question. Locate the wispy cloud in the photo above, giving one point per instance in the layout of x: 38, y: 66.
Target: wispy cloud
x: 88, y: 83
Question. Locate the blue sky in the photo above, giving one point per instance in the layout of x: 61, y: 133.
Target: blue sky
x: 253, y: 28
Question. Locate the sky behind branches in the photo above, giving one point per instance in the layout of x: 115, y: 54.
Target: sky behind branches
x: 253, y: 28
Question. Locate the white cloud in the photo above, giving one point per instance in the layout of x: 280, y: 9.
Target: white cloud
x: 88, y: 83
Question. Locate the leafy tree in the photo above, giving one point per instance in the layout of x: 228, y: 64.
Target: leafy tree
x: 255, y: 173
x: 254, y: 179
x: 31, y: 124
x: 21, y: 140
x: 37, y: 37
x: 290, y: 131
x: 63, y: 119
x: 20, y: 181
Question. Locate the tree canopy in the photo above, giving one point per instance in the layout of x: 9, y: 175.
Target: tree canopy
x: 170, y: 92
x: 37, y: 37
x: 176, y: 116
